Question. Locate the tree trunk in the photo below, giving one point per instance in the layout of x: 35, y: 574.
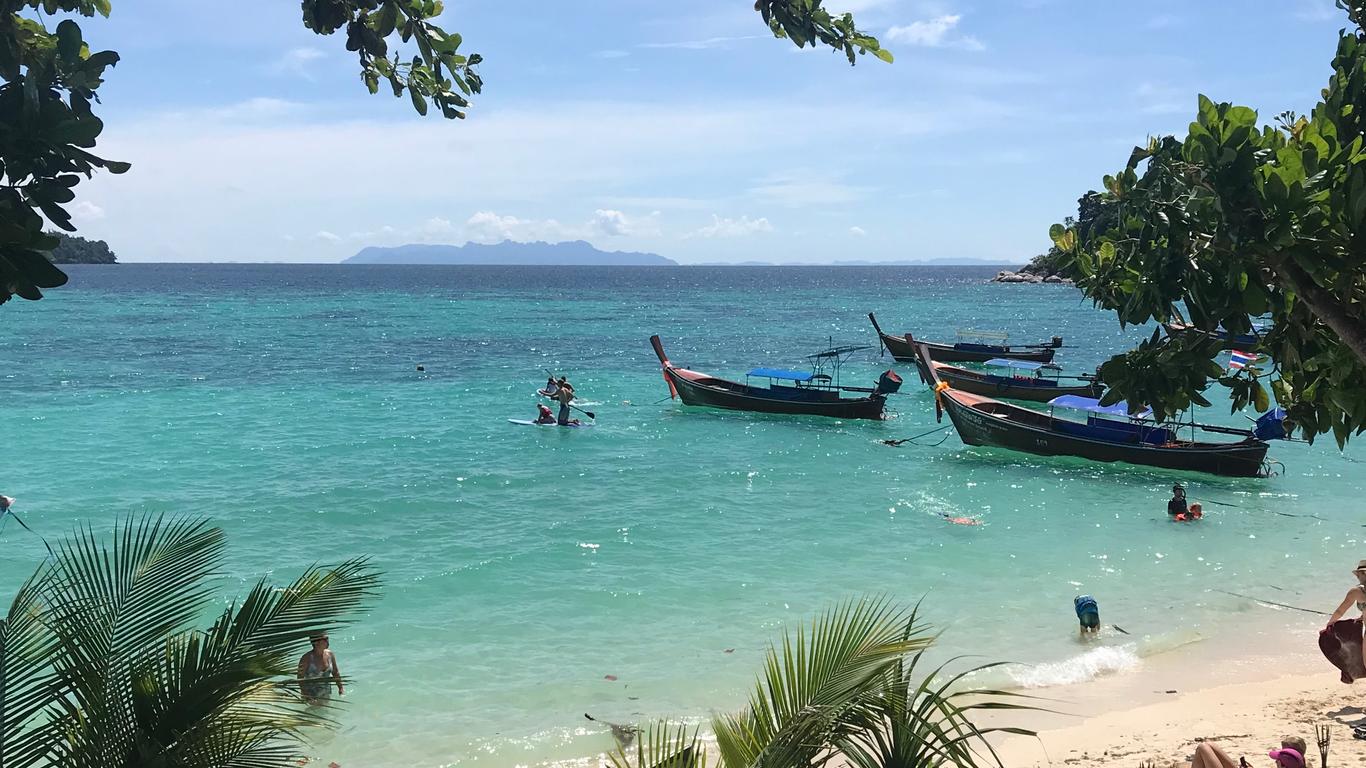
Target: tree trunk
x: 1323, y: 304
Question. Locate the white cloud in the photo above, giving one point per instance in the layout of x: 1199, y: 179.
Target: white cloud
x: 326, y: 236
x: 611, y: 54
x: 858, y: 232
x: 856, y: 6
x: 1318, y: 10
x: 297, y: 62
x: 85, y: 210
x: 937, y: 32
x: 491, y: 227
x: 699, y: 45
x: 741, y: 227
x: 275, y: 165
x: 800, y: 191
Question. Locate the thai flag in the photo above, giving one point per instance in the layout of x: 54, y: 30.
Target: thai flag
x: 1239, y: 360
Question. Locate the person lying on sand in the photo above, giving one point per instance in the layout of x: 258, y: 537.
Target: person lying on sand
x: 1290, y: 755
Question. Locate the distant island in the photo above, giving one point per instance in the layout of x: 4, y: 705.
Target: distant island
x: 572, y: 253
x: 78, y: 250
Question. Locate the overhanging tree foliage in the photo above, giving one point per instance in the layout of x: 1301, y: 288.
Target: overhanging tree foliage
x: 1236, y: 224
x: 51, y: 78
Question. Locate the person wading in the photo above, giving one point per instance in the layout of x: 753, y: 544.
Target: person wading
x: 317, y: 671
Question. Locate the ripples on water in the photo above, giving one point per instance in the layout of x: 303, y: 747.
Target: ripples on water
x: 523, y: 566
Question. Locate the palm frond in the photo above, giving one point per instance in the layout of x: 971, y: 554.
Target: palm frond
x: 661, y: 744
x: 813, y: 683
x: 922, y: 721
x: 103, y: 670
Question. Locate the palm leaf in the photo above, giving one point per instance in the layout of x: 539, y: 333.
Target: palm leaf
x: 102, y: 669
x: 661, y: 744
x: 813, y: 684
x: 923, y: 721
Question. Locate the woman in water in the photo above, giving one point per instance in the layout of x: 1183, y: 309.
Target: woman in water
x: 317, y: 671
x: 1355, y: 596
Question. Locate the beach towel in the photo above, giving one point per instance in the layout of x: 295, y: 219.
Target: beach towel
x: 1341, y: 645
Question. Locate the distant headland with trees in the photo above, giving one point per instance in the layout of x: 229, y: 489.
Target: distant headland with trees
x: 78, y: 250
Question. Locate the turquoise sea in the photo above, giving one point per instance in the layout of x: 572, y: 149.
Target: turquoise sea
x: 640, y: 567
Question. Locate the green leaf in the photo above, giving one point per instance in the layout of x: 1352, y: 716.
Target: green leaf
x: 419, y: 102
x: 1260, y: 400
x: 883, y: 54
x: 69, y: 40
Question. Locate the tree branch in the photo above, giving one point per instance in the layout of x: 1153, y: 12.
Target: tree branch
x: 1323, y: 304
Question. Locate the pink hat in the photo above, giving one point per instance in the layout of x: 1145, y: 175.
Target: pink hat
x: 1285, y: 756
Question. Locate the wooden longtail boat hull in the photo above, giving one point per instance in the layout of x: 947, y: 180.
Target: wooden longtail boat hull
x: 903, y: 349
x: 708, y: 392
x: 983, y: 421
x: 1008, y: 388
x: 980, y: 420
x: 1242, y: 343
x: 1013, y: 388
x: 704, y: 391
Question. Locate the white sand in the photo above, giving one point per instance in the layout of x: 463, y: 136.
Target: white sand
x: 1243, y: 719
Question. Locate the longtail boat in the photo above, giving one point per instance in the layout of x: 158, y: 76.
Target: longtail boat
x: 1108, y: 433
x: 813, y: 393
x: 1016, y: 380
x: 1242, y: 342
x: 971, y: 347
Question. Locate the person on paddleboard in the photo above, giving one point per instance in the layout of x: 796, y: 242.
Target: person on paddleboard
x: 1355, y: 596
x: 565, y: 394
x: 551, y: 388
x: 544, y: 414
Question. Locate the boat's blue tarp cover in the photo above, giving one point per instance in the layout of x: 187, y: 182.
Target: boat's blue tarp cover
x: 779, y: 373
x: 1077, y: 402
x: 1271, y: 425
x: 1023, y: 365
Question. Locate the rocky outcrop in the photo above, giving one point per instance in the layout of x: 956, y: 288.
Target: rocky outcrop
x: 1006, y: 276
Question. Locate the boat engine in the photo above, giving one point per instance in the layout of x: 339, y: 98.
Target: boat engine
x: 1057, y: 342
x: 888, y: 382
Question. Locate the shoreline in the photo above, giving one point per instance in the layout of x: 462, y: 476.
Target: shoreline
x: 1277, y: 685
x: 1243, y: 693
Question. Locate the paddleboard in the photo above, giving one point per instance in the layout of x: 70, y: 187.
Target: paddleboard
x: 530, y: 423
x: 1341, y: 645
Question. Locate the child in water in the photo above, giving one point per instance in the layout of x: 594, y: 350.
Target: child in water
x: 1088, y: 614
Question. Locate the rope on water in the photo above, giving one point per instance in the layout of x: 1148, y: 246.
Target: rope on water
x: 1273, y: 602
x: 8, y: 513
x: 917, y: 437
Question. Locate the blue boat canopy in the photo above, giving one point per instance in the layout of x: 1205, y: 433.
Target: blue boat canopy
x: 1023, y: 365
x: 779, y: 373
x: 1091, y: 404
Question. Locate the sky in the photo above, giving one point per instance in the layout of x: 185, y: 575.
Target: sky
x: 679, y: 128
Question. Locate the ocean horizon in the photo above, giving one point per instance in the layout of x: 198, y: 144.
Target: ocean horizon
x: 640, y: 568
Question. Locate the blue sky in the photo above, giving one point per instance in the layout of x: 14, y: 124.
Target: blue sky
x: 678, y: 128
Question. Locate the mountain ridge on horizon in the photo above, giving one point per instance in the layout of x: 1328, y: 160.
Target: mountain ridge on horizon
x: 508, y: 252
x: 583, y: 253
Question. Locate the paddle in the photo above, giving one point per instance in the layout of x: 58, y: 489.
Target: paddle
x: 589, y: 414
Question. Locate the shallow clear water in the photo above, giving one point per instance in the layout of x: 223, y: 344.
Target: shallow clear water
x: 523, y: 566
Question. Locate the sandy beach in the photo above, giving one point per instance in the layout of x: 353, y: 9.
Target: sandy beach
x: 1245, y: 719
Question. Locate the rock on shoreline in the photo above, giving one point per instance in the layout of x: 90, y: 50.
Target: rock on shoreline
x: 1006, y: 276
